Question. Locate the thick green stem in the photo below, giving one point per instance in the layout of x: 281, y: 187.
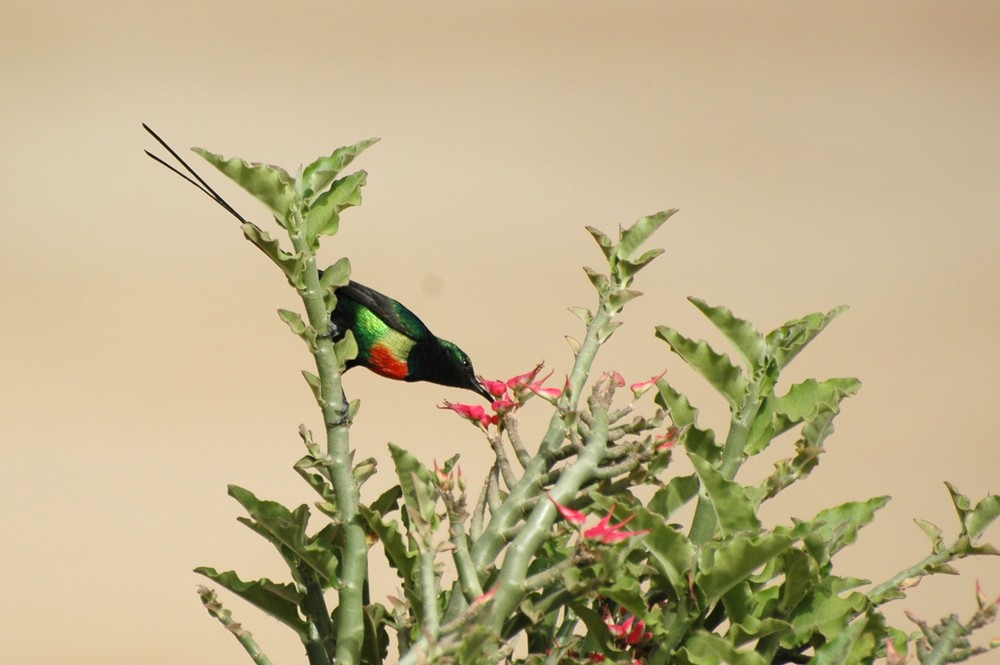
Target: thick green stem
x: 467, y: 576
x: 512, y: 583
x: 350, y: 625
x: 704, y: 521
x: 884, y: 592
x: 428, y: 591
x: 946, y: 644
x: 488, y: 546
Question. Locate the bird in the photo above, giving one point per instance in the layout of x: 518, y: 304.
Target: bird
x: 392, y: 341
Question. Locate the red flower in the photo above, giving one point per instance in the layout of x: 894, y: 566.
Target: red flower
x: 640, y: 388
x: 526, y: 378
x: 495, y: 388
x: 486, y: 596
x: 509, y: 394
x: 604, y: 531
x: 631, y: 631
x: 608, y: 533
x: 668, y: 439
x: 614, y: 377
x: 471, y: 412
x: 574, y: 517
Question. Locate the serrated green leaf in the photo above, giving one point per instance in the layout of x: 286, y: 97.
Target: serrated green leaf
x: 725, y: 565
x: 835, y: 528
x: 290, y: 264
x: 287, y: 531
x: 397, y: 552
x: 982, y: 516
x: 934, y: 533
x: 804, y: 401
x: 376, y: 643
x: 825, y: 612
x: 668, y: 547
x: 607, y: 330
x: 733, y: 509
x: 681, y: 412
x: 627, y: 270
x: 802, y: 574
x: 852, y: 646
x: 336, y: 275
x: 603, y: 241
x: 596, y: 628
x: 674, y: 496
x: 745, y: 337
x: 962, y: 503
x: 323, y: 217
x: 280, y: 601
x: 294, y: 321
x: 319, y: 174
x: 346, y: 349
x: 313, y: 382
x: 388, y: 501
x: 786, y: 341
x: 716, y: 368
x: 583, y: 314
x: 417, y: 484
x: 599, y: 280
x: 619, y: 297
x: 269, y: 184
x: 637, y: 234
x: 704, y: 648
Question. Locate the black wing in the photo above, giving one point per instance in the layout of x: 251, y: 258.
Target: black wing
x: 394, y: 313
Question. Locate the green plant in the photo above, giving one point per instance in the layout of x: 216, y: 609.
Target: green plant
x: 531, y: 584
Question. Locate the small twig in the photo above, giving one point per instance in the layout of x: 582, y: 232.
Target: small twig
x: 467, y: 576
x: 503, y: 462
x: 479, y: 513
x: 510, y: 426
x: 493, y: 498
x: 614, y: 470
x: 225, y: 617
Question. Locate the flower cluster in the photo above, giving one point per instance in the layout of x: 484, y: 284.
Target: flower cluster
x: 604, y: 531
x: 508, y: 395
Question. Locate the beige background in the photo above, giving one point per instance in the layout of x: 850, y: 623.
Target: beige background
x: 821, y: 153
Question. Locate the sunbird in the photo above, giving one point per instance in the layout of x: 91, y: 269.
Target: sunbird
x: 392, y: 341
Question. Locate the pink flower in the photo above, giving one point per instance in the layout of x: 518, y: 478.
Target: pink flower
x: 574, y: 517
x: 471, y: 412
x: 503, y: 406
x: 548, y: 394
x: 604, y: 531
x: 495, y: 388
x: 526, y: 378
x: 614, y: 377
x: 608, y: 533
x: 486, y: 596
x: 631, y: 631
x: 668, y: 439
x: 639, y: 389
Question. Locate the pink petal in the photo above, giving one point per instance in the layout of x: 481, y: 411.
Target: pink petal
x: 486, y: 596
x: 526, y: 378
x: 643, y: 386
x: 572, y: 516
x: 597, y: 532
x: 495, y: 388
x: 472, y: 412
x: 667, y: 440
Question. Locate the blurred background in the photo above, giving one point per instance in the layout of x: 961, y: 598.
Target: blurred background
x: 820, y: 153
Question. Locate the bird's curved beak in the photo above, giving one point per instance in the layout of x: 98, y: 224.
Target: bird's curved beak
x: 481, y: 390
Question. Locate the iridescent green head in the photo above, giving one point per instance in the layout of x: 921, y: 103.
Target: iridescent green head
x: 440, y: 361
